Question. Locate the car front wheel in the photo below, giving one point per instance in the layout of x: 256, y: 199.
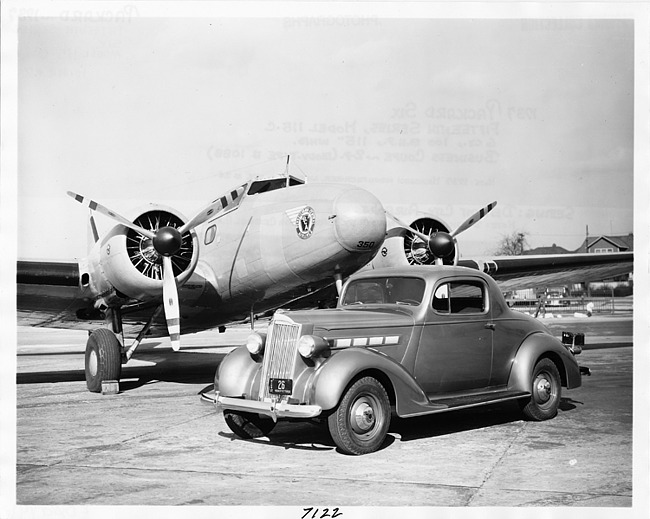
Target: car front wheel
x: 546, y: 391
x: 360, y: 422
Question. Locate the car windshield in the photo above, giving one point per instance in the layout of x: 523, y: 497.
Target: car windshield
x: 391, y: 290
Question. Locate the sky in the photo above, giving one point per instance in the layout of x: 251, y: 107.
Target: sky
x: 433, y: 115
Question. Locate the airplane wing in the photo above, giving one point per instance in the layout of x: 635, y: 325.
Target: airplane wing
x: 48, y: 292
x: 537, y: 271
x: 48, y: 296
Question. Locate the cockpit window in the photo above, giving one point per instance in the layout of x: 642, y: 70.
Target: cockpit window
x: 264, y: 186
x: 391, y: 290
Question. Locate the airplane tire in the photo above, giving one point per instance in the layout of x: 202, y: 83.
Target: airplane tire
x: 546, y: 389
x: 248, y: 425
x: 360, y: 422
x: 103, y: 359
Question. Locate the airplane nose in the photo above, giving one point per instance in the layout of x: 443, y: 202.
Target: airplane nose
x: 360, y: 220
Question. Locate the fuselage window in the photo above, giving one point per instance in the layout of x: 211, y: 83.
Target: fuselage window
x: 210, y: 234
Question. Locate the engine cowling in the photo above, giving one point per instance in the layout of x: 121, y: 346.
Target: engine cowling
x: 402, y: 247
x: 127, y: 262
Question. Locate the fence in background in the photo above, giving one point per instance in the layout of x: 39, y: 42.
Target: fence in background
x: 569, y: 306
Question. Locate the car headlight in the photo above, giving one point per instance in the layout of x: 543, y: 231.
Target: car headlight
x: 311, y: 345
x: 255, y: 343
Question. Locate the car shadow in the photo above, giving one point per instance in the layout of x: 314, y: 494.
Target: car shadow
x: 442, y: 424
x: 568, y: 404
x: 184, y: 367
x: 306, y: 436
x: 315, y: 437
x: 291, y: 435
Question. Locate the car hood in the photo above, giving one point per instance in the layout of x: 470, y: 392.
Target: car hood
x: 340, y: 319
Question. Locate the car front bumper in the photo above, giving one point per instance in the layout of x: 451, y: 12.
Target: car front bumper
x: 271, y: 408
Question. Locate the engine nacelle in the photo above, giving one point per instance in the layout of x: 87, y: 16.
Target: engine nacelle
x: 124, y: 265
x: 402, y: 248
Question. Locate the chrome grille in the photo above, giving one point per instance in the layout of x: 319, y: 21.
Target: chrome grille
x: 280, y: 352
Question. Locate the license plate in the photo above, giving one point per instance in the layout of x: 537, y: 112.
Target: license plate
x: 280, y: 386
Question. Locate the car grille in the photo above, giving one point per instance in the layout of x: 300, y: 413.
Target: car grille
x: 280, y: 353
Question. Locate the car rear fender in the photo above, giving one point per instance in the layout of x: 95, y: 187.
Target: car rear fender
x: 534, y: 347
x: 334, y: 376
x: 236, y: 373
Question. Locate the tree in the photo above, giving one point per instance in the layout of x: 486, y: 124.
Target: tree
x: 512, y: 245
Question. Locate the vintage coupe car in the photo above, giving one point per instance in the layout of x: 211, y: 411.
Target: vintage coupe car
x: 412, y: 341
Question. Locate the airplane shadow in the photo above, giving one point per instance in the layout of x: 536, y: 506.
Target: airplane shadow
x: 170, y: 366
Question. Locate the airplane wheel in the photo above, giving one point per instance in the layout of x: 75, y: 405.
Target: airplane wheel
x: 360, y: 422
x: 103, y: 359
x: 248, y: 425
x: 546, y: 391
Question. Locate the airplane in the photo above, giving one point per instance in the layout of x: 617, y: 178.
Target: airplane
x: 268, y: 243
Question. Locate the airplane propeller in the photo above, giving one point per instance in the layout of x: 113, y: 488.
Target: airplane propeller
x: 95, y: 206
x: 442, y: 244
x: 170, y: 302
x: 166, y: 241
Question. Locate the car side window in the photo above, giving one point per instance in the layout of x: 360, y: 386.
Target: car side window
x: 460, y: 297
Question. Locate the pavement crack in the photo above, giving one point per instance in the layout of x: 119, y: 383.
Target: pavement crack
x: 492, y: 469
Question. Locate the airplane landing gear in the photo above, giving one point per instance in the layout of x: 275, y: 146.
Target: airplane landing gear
x: 103, y: 359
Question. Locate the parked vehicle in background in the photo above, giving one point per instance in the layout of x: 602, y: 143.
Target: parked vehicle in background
x: 558, y: 297
x: 413, y: 341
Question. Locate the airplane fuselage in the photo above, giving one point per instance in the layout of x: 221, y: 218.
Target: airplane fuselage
x: 273, y: 247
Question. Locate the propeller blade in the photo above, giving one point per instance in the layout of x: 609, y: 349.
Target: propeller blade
x: 473, y: 219
x: 94, y: 206
x: 420, y: 235
x: 218, y: 206
x: 212, y: 210
x: 170, y: 300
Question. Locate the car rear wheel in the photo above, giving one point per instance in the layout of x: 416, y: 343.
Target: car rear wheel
x: 248, y: 425
x: 546, y: 389
x: 360, y: 422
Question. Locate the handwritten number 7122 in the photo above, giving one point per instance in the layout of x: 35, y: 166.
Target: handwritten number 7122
x: 324, y: 513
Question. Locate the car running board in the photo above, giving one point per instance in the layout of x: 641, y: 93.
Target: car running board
x: 461, y: 402
x: 478, y: 399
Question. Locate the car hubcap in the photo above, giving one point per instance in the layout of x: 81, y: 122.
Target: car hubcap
x: 543, y: 389
x: 363, y: 416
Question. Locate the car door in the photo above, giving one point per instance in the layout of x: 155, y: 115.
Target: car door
x: 455, y: 350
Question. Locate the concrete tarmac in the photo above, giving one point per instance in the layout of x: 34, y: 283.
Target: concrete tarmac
x: 157, y: 443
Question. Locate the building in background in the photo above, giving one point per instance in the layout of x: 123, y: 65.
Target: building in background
x: 603, y: 244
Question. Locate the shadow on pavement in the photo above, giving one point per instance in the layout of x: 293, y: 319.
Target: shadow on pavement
x: 464, y: 420
x: 180, y: 367
x: 291, y: 435
x: 314, y: 436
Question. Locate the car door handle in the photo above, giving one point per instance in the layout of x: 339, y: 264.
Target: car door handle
x: 491, y: 326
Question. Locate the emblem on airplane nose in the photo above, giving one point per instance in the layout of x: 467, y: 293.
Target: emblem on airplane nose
x: 305, y: 222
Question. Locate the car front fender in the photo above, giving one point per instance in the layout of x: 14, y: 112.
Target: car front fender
x: 334, y: 375
x: 236, y: 373
x: 533, y: 348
